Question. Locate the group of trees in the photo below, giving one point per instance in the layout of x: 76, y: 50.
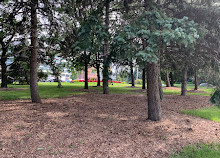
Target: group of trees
x: 159, y: 36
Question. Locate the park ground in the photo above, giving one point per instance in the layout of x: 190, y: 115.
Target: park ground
x: 73, y: 122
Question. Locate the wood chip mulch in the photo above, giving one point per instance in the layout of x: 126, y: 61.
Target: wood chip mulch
x: 101, y: 126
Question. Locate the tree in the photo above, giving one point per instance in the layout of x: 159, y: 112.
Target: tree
x: 35, y: 97
x: 10, y: 26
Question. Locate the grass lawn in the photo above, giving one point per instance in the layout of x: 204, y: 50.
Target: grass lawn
x: 211, y: 113
x: 50, y: 90
x: 199, y: 151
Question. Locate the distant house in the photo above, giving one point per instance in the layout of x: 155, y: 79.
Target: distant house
x: 92, y: 74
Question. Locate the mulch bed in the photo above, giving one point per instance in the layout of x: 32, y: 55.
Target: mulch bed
x: 101, y: 126
x: 12, y: 89
x: 86, y: 90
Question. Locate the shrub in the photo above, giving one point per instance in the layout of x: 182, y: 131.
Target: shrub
x: 139, y: 81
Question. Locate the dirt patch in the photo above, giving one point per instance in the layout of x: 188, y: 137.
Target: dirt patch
x: 12, y: 89
x: 98, y: 125
x: 196, y: 91
x: 86, y: 90
x: 139, y: 90
x: 172, y: 88
x: 132, y: 87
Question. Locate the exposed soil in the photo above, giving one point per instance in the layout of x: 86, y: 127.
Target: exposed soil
x: 196, y: 91
x: 86, y: 90
x: 101, y: 126
x: 172, y: 88
x: 12, y: 89
x: 132, y: 87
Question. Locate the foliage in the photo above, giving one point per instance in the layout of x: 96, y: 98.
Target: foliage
x: 199, y: 151
x: 211, y: 113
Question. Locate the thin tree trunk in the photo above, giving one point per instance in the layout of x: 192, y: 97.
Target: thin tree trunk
x: 106, y: 51
x: 86, y: 75
x: 34, y: 51
x: 132, y: 75
x: 196, y: 80
x: 98, y: 75
x: 171, y: 79
x: 59, y: 82
x: 4, y: 68
x: 144, y: 78
x: 154, y: 104
x: 184, y: 81
x: 160, y: 88
x: 167, y: 79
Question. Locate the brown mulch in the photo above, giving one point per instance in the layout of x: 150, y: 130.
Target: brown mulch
x: 172, y: 88
x: 101, y: 126
x: 85, y: 90
x: 132, y: 87
x: 12, y: 89
x: 196, y: 91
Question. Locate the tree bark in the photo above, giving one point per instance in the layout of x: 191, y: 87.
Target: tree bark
x: 171, y: 79
x: 34, y: 51
x: 160, y: 88
x: 144, y: 78
x: 196, y: 80
x: 86, y: 75
x: 154, y: 104
x: 98, y: 75
x: 132, y: 75
x: 59, y: 82
x: 106, y: 51
x: 4, y: 68
x: 184, y: 81
x: 167, y: 79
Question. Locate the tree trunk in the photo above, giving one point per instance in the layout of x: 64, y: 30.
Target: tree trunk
x: 34, y: 51
x: 196, y: 80
x: 160, y: 88
x: 58, y: 81
x: 4, y: 68
x: 86, y: 75
x: 154, y: 104
x: 144, y: 78
x: 98, y: 74
x: 184, y: 81
x: 171, y: 79
x: 167, y: 79
x: 132, y: 75
x: 106, y: 51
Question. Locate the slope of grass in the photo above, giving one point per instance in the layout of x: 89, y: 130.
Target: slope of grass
x: 211, y: 113
x: 199, y: 151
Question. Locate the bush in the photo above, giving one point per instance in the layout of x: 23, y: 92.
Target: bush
x: 139, y: 81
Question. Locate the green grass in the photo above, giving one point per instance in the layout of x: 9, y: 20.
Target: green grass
x: 211, y: 113
x: 50, y: 90
x: 199, y: 151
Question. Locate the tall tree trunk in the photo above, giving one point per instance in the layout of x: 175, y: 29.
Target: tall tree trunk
x: 98, y: 74
x: 34, y: 51
x: 196, y: 80
x: 106, y: 51
x: 132, y: 74
x: 144, y: 78
x: 4, y: 68
x: 58, y: 81
x: 86, y: 75
x: 171, y: 79
x: 153, y: 97
x: 160, y: 87
x: 184, y: 81
x: 167, y: 79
